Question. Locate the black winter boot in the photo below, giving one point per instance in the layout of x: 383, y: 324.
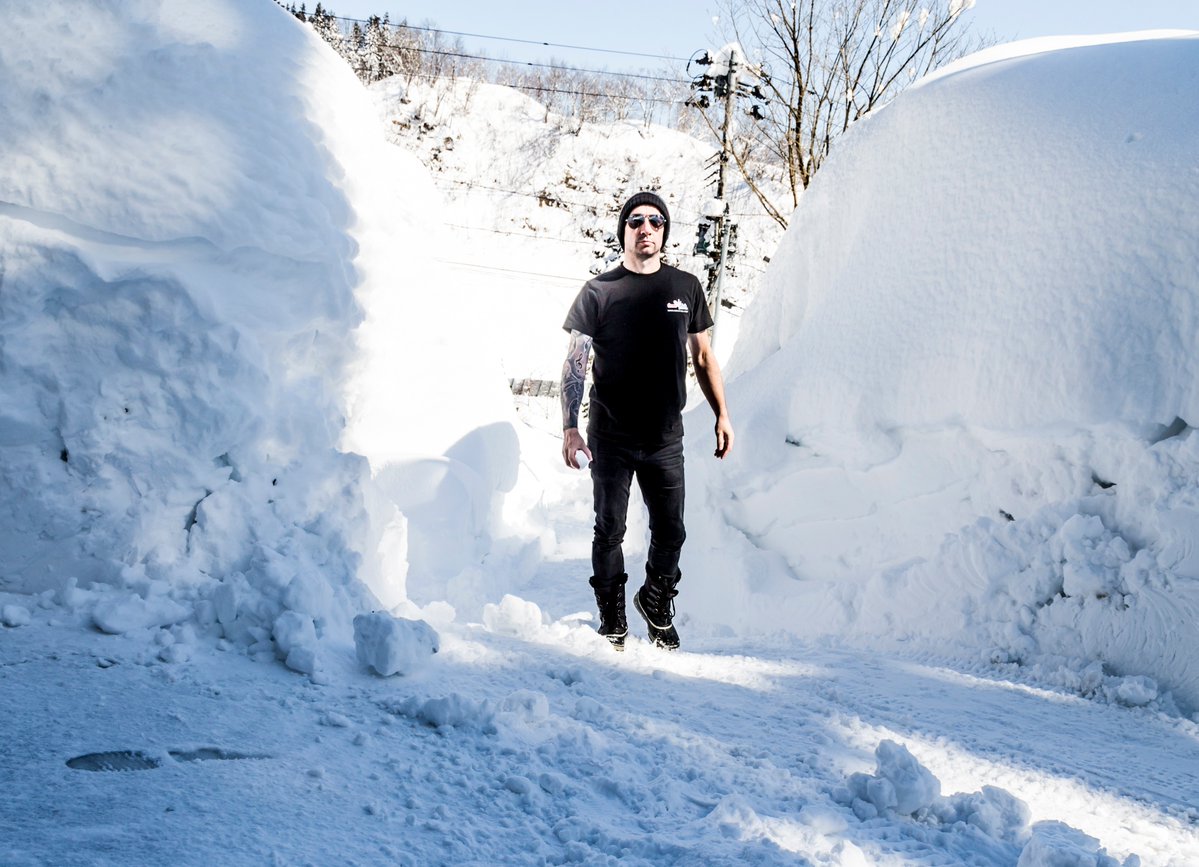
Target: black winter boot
x: 609, y: 598
x: 655, y: 602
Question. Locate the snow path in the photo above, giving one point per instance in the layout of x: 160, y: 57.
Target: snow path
x: 527, y: 740
x: 552, y: 747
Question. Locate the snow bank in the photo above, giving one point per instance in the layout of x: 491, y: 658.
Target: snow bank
x: 963, y: 395
x: 1047, y: 277
x: 183, y: 197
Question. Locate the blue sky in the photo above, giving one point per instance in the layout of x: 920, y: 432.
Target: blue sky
x: 680, y: 27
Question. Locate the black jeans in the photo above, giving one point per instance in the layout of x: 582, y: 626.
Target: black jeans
x: 659, y: 472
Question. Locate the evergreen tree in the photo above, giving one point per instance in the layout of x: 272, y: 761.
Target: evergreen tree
x: 355, y: 51
x: 325, y: 24
x: 378, y: 57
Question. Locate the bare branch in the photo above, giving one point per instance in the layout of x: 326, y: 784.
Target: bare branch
x: 830, y: 63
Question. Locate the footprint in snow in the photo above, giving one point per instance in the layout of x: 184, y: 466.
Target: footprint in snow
x: 134, y: 760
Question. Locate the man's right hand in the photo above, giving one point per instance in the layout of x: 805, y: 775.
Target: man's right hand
x: 572, y: 444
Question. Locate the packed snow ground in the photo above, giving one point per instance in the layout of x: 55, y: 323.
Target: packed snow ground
x: 191, y: 559
x: 519, y: 745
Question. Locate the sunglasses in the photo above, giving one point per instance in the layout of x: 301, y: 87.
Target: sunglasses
x: 655, y: 220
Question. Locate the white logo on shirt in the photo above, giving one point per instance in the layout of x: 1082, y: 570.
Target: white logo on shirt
x: 678, y: 305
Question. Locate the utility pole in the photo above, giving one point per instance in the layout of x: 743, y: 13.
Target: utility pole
x: 730, y: 93
x: 717, y: 220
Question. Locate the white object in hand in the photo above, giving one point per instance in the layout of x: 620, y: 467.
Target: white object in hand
x: 581, y: 459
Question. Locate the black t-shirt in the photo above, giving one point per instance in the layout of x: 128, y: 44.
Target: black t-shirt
x: 639, y: 324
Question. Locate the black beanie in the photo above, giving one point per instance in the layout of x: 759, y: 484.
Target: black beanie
x: 650, y: 199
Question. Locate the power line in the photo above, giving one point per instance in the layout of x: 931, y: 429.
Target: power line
x: 521, y: 41
x: 536, y: 237
x: 530, y: 63
x: 471, y: 185
x: 517, y: 62
x: 574, y: 279
x: 531, y: 235
x: 537, y: 88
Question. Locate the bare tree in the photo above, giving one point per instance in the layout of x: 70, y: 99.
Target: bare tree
x: 646, y: 93
x: 619, y: 95
x: 827, y: 63
x: 592, y: 101
x: 443, y: 57
x: 550, y: 85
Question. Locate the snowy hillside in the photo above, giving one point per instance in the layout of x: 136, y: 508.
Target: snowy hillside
x: 532, y: 199
x: 938, y: 608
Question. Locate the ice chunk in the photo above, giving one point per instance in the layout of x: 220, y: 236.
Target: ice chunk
x: 902, y: 784
x: 1056, y: 845
x: 1136, y: 691
x: 14, y: 615
x: 120, y: 614
x: 994, y: 811
x: 914, y: 785
x: 513, y: 616
x: 392, y: 645
x: 295, y: 641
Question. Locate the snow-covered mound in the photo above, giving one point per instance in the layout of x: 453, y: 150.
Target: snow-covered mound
x: 964, y: 395
x: 184, y: 197
x: 1012, y: 245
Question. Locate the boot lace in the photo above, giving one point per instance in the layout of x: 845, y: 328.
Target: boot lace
x: 660, y: 602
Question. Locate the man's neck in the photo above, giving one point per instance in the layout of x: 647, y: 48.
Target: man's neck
x: 639, y: 265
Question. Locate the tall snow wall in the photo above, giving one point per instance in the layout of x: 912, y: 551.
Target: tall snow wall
x: 965, y: 394
x: 178, y: 209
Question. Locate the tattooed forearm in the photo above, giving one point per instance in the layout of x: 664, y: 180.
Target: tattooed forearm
x: 574, y: 371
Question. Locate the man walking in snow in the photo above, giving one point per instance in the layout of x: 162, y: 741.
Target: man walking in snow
x: 640, y: 318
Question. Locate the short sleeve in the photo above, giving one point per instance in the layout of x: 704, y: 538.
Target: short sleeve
x: 701, y: 317
x: 583, y: 315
